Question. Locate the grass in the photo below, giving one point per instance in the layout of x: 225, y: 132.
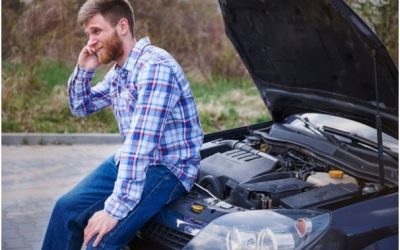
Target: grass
x: 38, y: 102
x: 227, y: 103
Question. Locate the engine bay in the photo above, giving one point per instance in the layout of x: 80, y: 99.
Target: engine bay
x: 263, y: 172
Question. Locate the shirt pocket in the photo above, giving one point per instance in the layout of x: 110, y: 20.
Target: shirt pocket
x: 128, y: 101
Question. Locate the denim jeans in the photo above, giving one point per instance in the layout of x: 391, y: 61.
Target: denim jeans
x: 73, y: 210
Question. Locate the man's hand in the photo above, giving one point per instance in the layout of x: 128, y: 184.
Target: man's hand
x: 101, y: 223
x: 88, y: 59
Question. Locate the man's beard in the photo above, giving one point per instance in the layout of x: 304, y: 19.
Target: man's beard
x: 111, y: 50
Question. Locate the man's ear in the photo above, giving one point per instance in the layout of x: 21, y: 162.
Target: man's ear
x: 123, y: 26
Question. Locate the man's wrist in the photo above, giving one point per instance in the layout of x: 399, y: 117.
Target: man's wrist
x: 84, y: 73
x: 115, y: 208
x: 114, y: 217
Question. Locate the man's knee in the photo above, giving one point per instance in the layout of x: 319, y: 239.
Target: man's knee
x: 64, y: 204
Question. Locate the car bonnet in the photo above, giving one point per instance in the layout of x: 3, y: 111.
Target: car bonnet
x: 314, y: 56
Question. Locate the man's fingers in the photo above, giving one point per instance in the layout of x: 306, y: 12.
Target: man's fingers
x: 99, y: 238
x: 91, y: 50
x: 88, y: 228
x: 99, y: 224
x: 89, y: 233
x: 87, y: 50
x: 87, y: 238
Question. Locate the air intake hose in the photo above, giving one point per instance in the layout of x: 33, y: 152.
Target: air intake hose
x: 213, y: 185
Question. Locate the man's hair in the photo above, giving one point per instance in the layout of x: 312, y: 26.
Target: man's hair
x: 111, y: 10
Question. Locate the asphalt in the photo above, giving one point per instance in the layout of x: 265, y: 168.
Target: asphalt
x: 33, y: 177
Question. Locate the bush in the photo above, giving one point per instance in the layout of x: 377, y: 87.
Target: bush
x: 191, y: 30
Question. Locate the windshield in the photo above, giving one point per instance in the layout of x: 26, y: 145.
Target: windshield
x: 347, y: 125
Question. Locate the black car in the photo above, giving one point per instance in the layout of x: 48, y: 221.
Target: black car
x: 324, y: 173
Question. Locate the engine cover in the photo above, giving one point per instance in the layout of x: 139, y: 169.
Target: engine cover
x: 236, y: 165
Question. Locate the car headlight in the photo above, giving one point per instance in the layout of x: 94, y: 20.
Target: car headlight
x: 280, y: 229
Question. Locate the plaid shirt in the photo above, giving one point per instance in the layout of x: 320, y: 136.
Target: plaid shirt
x: 156, y: 114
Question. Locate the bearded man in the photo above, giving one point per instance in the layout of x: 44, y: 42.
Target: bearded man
x: 157, y: 117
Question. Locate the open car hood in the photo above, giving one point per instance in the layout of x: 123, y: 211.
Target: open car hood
x: 314, y: 56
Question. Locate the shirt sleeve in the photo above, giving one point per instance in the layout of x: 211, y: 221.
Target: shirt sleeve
x: 158, y: 92
x: 84, y: 99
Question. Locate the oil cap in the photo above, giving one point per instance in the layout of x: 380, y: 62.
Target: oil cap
x: 336, y: 174
x: 197, y: 208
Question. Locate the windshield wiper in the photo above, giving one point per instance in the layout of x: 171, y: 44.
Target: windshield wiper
x: 317, y: 130
x: 361, y: 140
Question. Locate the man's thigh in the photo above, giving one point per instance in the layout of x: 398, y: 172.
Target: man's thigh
x: 89, y: 195
x: 161, y: 187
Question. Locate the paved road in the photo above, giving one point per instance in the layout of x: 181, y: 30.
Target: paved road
x: 33, y: 177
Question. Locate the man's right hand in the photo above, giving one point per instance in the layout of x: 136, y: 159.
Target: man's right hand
x: 87, y: 58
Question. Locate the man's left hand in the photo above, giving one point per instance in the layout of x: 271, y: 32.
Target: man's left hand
x: 100, y: 223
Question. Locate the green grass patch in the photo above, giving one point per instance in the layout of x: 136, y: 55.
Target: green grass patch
x: 228, y: 103
x: 51, y: 73
x: 40, y: 103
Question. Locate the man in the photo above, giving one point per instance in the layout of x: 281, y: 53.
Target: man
x: 156, y: 114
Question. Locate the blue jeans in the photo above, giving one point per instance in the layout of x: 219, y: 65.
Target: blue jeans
x: 73, y: 210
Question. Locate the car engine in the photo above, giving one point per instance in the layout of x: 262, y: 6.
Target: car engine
x: 254, y: 175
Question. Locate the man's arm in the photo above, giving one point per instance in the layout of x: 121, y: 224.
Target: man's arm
x: 84, y: 99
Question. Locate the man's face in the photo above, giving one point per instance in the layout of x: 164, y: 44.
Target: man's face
x: 104, y: 40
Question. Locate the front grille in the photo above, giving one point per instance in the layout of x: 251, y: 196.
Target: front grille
x: 168, y: 237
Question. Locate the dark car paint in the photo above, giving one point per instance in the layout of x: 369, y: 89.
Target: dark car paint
x: 359, y: 225
x: 314, y: 56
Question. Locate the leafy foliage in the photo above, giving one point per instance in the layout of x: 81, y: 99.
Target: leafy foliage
x: 382, y: 17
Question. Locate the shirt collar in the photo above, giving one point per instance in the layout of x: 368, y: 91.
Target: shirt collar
x: 133, y: 56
